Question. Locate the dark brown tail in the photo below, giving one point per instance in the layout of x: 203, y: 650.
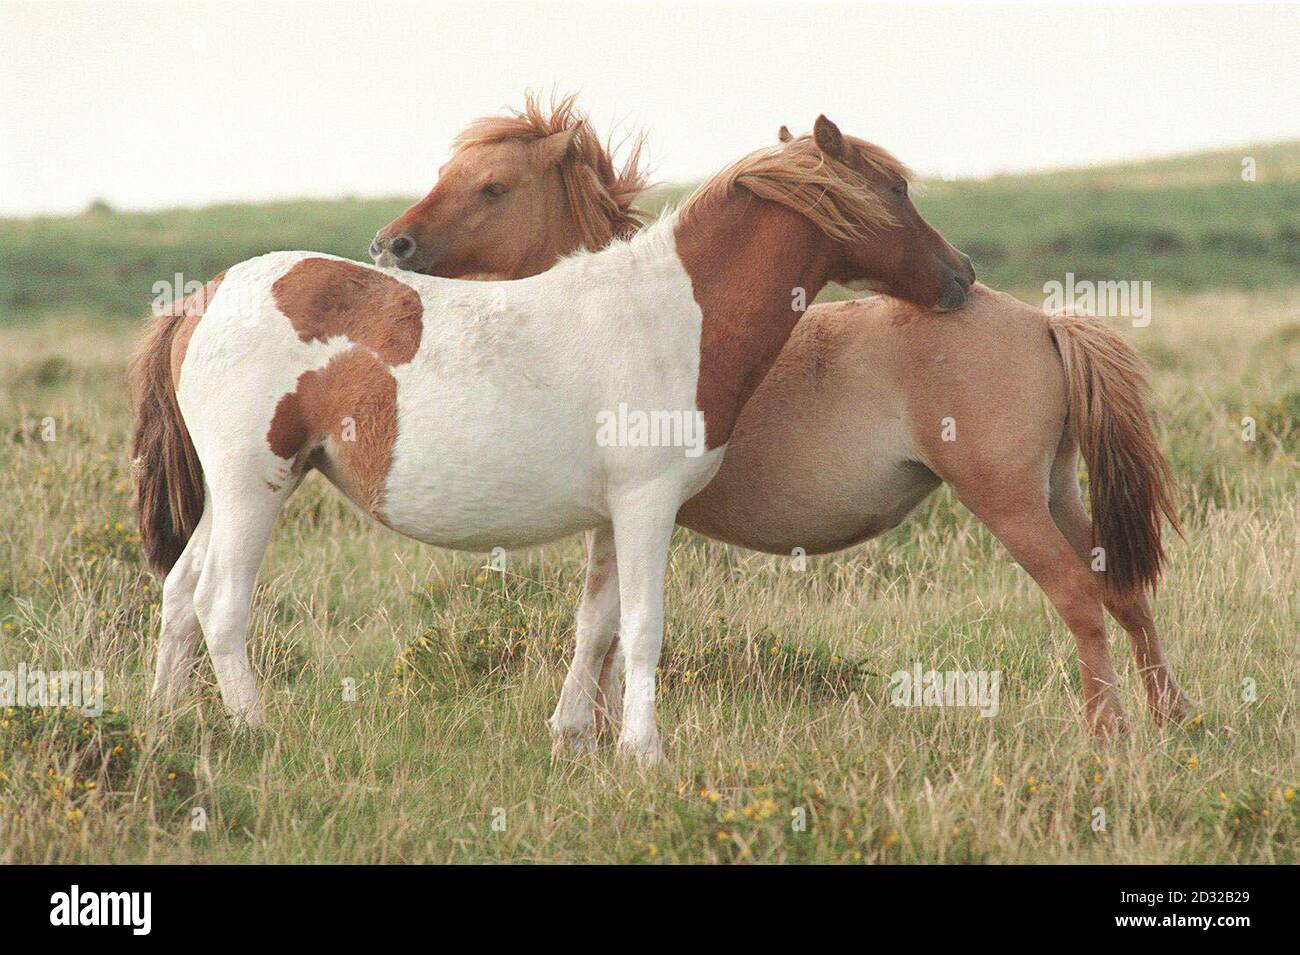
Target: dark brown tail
x: 1130, y: 483
x: 168, y: 475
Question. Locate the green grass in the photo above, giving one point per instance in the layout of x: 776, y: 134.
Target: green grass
x: 104, y: 264
x: 774, y: 681
x: 1185, y: 224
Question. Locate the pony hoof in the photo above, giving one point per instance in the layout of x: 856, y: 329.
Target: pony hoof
x: 1110, y: 725
x: 573, y: 741
x: 1170, y: 710
x: 645, y: 755
x: 574, y: 734
x: 253, y: 719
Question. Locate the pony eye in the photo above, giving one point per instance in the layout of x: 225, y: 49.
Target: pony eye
x: 900, y: 189
x: 494, y: 190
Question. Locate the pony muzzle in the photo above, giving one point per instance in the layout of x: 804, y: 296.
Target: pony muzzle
x: 392, y: 251
x: 958, y: 284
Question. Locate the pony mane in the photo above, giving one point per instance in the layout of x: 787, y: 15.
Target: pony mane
x: 837, y: 199
x: 600, y: 195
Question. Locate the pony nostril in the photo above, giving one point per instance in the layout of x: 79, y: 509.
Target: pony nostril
x: 964, y: 275
x: 970, y: 268
x: 403, y: 247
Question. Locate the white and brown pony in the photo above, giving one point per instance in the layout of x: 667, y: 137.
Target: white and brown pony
x: 845, y: 436
x: 466, y: 414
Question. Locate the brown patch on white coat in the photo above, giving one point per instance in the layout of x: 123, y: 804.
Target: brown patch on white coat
x: 327, y: 298
x: 348, y: 408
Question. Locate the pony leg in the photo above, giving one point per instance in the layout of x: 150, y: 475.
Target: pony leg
x: 243, y: 517
x: 643, y: 528
x: 1029, y: 533
x: 180, y: 623
x: 1165, y: 699
x: 574, y: 722
x: 609, y: 699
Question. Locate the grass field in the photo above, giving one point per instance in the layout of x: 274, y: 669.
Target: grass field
x: 774, y: 684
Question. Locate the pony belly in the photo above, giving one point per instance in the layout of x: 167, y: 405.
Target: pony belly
x: 468, y: 495
x: 818, y: 517
x: 820, y: 486
x: 476, y: 482
x: 889, y: 503
x: 474, y: 516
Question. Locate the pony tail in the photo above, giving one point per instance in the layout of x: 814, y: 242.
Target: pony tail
x: 168, y: 475
x: 1130, y: 483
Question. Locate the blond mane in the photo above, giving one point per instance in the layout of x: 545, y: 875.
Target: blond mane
x: 600, y: 195
x: 838, y: 200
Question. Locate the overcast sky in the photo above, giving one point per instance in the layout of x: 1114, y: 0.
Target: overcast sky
x: 156, y: 104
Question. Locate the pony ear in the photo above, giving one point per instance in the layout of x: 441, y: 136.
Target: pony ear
x: 828, y: 137
x: 552, y: 149
x: 784, y: 135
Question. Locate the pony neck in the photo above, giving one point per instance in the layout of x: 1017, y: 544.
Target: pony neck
x: 561, y: 234
x: 578, y: 215
x: 754, y: 266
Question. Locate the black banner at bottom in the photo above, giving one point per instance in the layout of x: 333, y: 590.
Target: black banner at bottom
x: 340, y: 904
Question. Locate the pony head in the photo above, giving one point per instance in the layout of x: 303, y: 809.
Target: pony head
x: 857, y: 194
x: 519, y: 192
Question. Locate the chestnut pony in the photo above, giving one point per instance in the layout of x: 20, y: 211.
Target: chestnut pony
x: 466, y: 414
x: 870, y: 406
x: 518, y: 193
